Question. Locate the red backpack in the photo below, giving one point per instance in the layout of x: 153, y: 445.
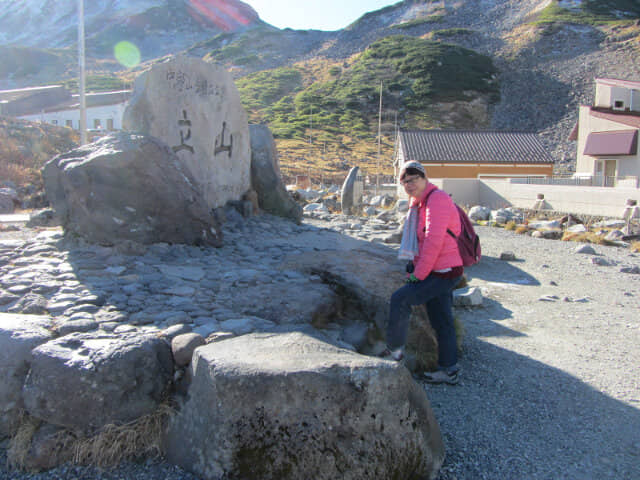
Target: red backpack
x: 468, y: 240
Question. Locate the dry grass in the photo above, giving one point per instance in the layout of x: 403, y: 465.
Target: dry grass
x: 511, y: 225
x: 635, y: 247
x: 116, y: 443
x: 585, y: 237
x: 140, y: 438
x: 522, y: 229
x: 21, y: 441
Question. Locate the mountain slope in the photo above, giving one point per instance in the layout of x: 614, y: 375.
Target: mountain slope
x: 156, y: 27
x: 524, y: 65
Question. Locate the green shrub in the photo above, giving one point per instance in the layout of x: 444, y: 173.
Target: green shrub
x: 98, y: 83
x: 451, y: 32
x: 591, y: 12
x: 420, y: 21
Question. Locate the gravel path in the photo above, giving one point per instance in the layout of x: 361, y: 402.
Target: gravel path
x: 550, y: 388
x: 551, y: 368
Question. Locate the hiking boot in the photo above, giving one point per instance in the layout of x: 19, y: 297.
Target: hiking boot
x: 395, y: 355
x: 441, y: 376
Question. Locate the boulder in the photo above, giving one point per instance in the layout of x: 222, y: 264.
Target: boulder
x: 84, y: 381
x: 127, y: 187
x: 19, y: 335
x: 298, y: 302
x: 182, y: 347
x: 366, y: 276
x: 351, y: 193
x: 194, y: 107
x: 467, y: 297
x: 289, y: 406
x: 479, y: 212
x: 577, y: 228
x: 43, y: 218
x: 265, y: 176
x: 8, y: 200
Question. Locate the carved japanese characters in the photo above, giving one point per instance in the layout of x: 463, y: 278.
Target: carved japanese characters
x: 194, y: 107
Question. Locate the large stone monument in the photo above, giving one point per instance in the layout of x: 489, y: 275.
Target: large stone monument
x: 351, y: 193
x: 194, y: 107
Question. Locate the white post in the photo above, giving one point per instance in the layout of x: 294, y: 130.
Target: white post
x: 83, y: 103
x: 379, y: 130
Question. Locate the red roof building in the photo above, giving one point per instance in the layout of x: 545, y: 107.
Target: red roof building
x: 607, y: 133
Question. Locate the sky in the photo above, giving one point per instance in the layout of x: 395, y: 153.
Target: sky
x: 314, y: 14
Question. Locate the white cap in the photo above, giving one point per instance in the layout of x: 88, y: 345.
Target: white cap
x: 412, y: 164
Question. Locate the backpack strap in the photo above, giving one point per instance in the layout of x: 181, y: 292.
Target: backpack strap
x: 425, y: 202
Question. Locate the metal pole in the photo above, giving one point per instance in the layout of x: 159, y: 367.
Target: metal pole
x: 379, y: 129
x: 83, y: 103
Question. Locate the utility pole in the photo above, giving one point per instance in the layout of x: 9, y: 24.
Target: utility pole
x: 379, y: 130
x: 83, y: 102
x: 395, y: 146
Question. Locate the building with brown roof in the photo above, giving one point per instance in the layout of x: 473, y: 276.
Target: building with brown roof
x: 607, y: 134
x: 475, y: 153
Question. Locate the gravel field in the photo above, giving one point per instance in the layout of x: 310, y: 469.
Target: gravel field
x: 550, y: 386
x: 551, y: 366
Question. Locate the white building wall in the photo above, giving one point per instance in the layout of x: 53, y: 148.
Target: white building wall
x: 603, y: 96
x: 627, y: 165
x: 635, y: 100
x: 601, y: 201
x: 607, y: 96
x: 102, y: 114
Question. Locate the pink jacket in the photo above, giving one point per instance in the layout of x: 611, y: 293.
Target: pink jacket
x: 437, y: 250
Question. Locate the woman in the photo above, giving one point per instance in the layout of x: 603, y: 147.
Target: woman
x: 434, y: 270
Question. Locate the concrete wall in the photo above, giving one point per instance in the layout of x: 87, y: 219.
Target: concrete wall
x: 600, y: 201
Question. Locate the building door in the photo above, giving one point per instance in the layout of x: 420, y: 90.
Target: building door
x: 609, y: 173
x: 605, y: 173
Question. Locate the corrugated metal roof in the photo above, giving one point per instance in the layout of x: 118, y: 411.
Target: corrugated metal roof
x: 473, y: 146
x: 618, y: 142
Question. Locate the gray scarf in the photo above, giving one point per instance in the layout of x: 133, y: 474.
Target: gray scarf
x: 409, y: 244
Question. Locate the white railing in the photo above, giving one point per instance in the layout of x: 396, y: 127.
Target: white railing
x: 592, y: 181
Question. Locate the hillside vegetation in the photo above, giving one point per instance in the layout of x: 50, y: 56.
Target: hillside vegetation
x: 338, y: 104
x: 25, y: 147
x: 591, y: 12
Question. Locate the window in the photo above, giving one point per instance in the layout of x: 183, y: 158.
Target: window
x: 96, y: 123
x: 618, y: 104
x: 110, y: 124
x: 69, y: 123
x: 54, y: 122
